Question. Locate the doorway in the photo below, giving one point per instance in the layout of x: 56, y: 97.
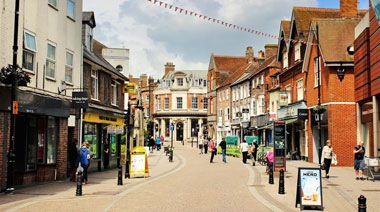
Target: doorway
x: 179, y: 130
x: 106, y: 148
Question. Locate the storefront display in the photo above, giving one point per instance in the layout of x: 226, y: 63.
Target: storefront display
x: 91, y: 136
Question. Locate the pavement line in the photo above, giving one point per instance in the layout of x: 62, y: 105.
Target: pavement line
x: 255, y: 192
x: 344, y: 195
x: 136, y: 186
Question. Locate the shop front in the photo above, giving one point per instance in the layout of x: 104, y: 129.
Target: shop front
x: 295, y: 129
x: 103, y: 130
x: 40, y: 138
x: 263, y: 131
x: 315, y: 117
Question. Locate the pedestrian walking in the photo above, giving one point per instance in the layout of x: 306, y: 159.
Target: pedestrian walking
x: 106, y: 155
x: 223, y: 146
x: 359, y: 152
x: 213, y: 150
x: 201, y: 145
x: 244, y: 150
x: 327, y: 154
x: 162, y: 139
x: 84, y: 159
x: 151, y: 143
x: 254, y: 149
x: 205, y: 144
x: 158, y: 143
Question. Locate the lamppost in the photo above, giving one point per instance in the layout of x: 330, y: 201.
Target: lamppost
x: 11, y: 155
x: 319, y: 99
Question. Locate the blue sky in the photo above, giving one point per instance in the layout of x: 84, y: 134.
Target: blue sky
x: 156, y: 35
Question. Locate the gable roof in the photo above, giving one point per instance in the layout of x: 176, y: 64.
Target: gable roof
x: 89, y: 18
x: 99, y: 60
x: 284, y: 33
x: 239, y: 72
x: 229, y: 63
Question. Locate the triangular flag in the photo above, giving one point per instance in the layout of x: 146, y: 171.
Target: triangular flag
x: 200, y: 16
x: 222, y: 23
x: 176, y: 8
x: 180, y: 10
x: 217, y: 21
x: 195, y: 14
x: 245, y: 29
x: 191, y: 13
x: 204, y: 17
x: 209, y: 19
x: 229, y: 25
x: 185, y: 12
x: 161, y: 3
x: 170, y: 7
x: 155, y: 1
x: 213, y: 20
x: 166, y: 5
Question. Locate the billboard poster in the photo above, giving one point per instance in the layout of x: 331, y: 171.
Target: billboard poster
x: 309, y: 188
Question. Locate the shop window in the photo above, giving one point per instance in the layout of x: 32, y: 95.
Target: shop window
x: 91, y: 136
x: 113, y: 145
x: 31, y: 145
x: 52, y: 140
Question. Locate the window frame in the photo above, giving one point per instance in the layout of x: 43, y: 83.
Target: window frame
x: 194, y: 103
x: 288, y: 89
x: 68, y: 66
x: 114, y: 92
x: 178, y: 82
x: 316, y: 72
x: 179, y: 103
x: 96, y: 79
x: 51, y: 60
x: 297, y: 52
x: 28, y: 50
x: 67, y: 9
x: 285, y: 60
x: 205, y: 103
x: 158, y: 103
x: 54, y: 6
x: 166, y: 103
x: 300, y: 89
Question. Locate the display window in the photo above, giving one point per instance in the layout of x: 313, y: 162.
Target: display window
x: 91, y: 136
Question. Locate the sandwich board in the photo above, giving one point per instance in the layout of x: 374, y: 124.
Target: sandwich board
x: 309, y: 188
x: 139, y: 162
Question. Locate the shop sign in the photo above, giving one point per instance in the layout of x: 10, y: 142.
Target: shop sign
x: 129, y: 88
x: 309, y: 188
x: 103, y: 119
x: 367, y: 112
x: 291, y: 110
x: 315, y: 117
x: 283, y: 97
x: 80, y: 100
x: 303, y: 114
x: 272, y: 116
x: 115, y: 129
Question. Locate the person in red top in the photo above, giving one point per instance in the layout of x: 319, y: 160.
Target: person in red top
x: 270, y: 159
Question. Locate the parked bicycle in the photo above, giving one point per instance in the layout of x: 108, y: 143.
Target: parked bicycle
x: 261, y: 158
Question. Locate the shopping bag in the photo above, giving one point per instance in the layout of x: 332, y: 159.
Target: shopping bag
x: 334, y: 161
x: 79, y: 169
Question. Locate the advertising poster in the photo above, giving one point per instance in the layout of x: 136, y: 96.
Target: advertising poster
x: 309, y: 190
x: 138, y: 163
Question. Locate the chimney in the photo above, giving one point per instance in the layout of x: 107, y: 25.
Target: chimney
x: 143, y: 79
x: 249, y: 54
x: 348, y: 8
x: 169, y: 67
x: 270, y: 50
x: 261, y: 54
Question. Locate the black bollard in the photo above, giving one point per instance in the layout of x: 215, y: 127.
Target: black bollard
x: 271, y: 181
x: 281, y: 188
x: 119, y: 175
x: 79, y: 184
x: 171, y: 154
x: 362, y: 207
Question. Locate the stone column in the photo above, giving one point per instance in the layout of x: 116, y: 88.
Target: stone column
x: 163, y: 128
x: 376, y: 130
x: 185, y: 126
x: 293, y: 137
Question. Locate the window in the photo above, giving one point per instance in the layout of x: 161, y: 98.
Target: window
x: 257, y: 82
x: 167, y: 83
x: 220, y: 97
x: 50, y: 61
x: 316, y: 61
x: 226, y: 94
x: 51, y: 142
x: 253, y: 84
x: 205, y: 83
x: 69, y: 68
x: 205, y: 103
x: 90, y: 135
x: 147, y: 112
x: 180, y: 81
x: 196, y: 83
x: 166, y: 106
x: 148, y: 98
x: 252, y: 109
x: 89, y: 35
x: 261, y: 104
x: 297, y: 53
x: 179, y: 102
x: 300, y: 89
x: 285, y: 60
x: 114, y: 92
x: 53, y: 3
x: 94, y: 84
x: 30, y: 48
x: 159, y: 104
x: 241, y: 92
x: 262, y: 79
x: 288, y: 88
x: 226, y: 113
x: 71, y: 9
x: 194, y: 103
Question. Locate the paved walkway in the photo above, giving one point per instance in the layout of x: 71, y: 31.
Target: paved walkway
x: 191, y: 183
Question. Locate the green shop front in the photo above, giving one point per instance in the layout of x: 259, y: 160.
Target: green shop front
x: 103, y: 130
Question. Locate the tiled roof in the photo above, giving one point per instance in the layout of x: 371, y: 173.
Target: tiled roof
x: 304, y: 15
x: 286, y: 27
x: 237, y: 74
x: 335, y: 35
x: 229, y: 63
x: 99, y: 60
x: 98, y: 47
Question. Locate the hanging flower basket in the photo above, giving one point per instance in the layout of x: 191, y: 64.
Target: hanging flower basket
x: 9, y: 74
x: 320, y: 109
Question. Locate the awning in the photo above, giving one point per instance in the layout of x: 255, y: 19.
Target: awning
x: 269, y: 126
x: 289, y: 121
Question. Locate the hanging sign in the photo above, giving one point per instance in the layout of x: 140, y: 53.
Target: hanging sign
x: 80, y: 100
x: 139, y: 161
x: 129, y: 88
x: 309, y: 188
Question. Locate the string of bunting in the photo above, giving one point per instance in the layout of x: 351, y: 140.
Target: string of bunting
x: 217, y: 21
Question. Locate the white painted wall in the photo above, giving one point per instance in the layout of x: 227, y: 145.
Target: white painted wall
x: 48, y: 24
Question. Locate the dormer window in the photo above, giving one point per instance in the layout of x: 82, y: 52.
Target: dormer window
x: 297, y: 52
x: 180, y: 81
x: 285, y: 60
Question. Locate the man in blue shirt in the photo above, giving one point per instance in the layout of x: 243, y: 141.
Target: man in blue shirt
x: 158, y: 143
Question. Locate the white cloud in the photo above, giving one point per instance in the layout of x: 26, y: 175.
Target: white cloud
x: 156, y: 35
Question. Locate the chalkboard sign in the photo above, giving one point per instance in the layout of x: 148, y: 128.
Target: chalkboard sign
x: 309, y: 188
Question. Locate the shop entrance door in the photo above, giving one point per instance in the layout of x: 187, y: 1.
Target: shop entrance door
x: 106, y: 148
x: 179, y: 130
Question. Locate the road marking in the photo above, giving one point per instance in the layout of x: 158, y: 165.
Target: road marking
x: 136, y: 186
x: 255, y: 192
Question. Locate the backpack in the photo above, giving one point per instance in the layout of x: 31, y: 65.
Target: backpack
x: 84, y: 156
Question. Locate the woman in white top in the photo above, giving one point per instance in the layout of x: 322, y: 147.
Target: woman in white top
x: 201, y: 145
x: 327, y: 154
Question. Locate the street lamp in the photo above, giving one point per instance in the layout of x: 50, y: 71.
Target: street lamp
x: 340, y: 72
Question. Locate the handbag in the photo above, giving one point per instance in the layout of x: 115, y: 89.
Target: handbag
x: 323, y: 167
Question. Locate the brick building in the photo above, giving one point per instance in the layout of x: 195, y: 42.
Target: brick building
x: 180, y: 99
x: 367, y: 75
x: 103, y: 120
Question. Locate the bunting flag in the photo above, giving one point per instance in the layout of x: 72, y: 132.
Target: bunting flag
x: 170, y: 6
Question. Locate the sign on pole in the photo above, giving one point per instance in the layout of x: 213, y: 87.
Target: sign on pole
x: 80, y: 100
x: 129, y: 88
x: 309, y: 188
